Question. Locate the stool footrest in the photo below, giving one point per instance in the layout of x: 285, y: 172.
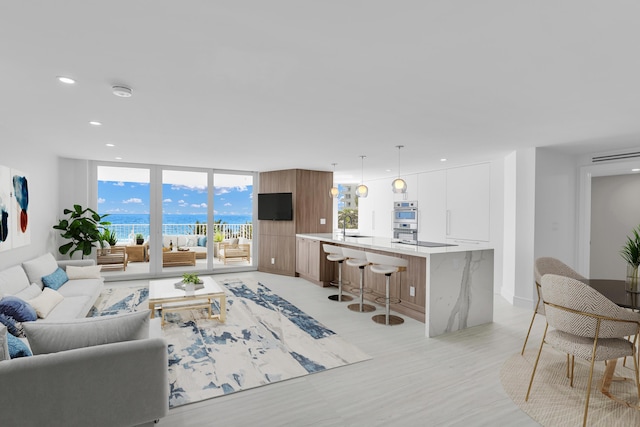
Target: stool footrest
x: 382, y: 319
x: 383, y: 300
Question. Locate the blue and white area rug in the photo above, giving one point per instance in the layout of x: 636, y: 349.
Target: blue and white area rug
x: 265, y: 339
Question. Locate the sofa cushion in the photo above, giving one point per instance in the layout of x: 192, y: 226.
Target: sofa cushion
x: 17, y: 308
x: 45, y: 302
x: 56, y: 279
x: 89, y: 272
x: 87, y: 287
x: 190, y: 241
x: 202, y: 241
x: 29, y: 293
x: 70, y: 308
x: 13, y: 280
x: 4, y: 345
x: 17, y: 347
x: 51, y: 337
x: 39, y: 267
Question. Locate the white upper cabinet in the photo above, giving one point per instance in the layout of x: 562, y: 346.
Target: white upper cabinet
x: 468, y: 202
x: 432, y: 206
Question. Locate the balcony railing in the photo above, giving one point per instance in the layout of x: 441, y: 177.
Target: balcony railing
x: 126, y: 232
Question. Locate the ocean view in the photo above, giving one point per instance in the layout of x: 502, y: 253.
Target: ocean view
x: 127, y: 225
x: 176, y: 219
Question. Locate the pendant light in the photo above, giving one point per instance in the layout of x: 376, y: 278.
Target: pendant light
x: 362, y: 190
x: 399, y: 185
x: 333, y: 192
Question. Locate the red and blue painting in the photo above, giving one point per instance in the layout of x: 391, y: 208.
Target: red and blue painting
x: 14, y: 209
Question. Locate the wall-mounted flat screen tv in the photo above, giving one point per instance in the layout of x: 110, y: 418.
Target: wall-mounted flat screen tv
x: 275, y: 206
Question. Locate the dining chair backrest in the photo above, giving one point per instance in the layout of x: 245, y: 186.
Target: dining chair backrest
x: 578, y: 299
x: 549, y: 265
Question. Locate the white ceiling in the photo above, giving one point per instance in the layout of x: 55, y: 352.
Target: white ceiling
x: 265, y: 85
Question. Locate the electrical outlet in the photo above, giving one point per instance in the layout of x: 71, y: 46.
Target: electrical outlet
x: 273, y: 260
x: 323, y: 221
x: 412, y: 291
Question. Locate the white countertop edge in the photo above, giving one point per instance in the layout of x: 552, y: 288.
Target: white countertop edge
x: 385, y: 244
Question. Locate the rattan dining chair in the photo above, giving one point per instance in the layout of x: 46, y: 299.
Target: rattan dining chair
x: 547, y: 265
x: 588, y: 325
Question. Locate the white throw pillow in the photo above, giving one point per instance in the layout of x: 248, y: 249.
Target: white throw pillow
x: 51, y: 337
x: 45, y: 302
x: 87, y: 272
x: 39, y: 267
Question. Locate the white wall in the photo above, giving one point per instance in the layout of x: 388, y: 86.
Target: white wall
x: 615, y: 212
x: 519, y: 233
x: 556, y: 206
x: 41, y: 168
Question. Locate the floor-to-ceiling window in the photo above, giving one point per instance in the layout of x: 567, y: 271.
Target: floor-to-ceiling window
x: 181, y: 215
x: 124, y: 196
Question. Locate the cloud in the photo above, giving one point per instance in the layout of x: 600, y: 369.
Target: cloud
x: 101, y: 200
x: 228, y: 204
x: 119, y: 184
x: 167, y: 201
x: 198, y: 205
x: 221, y: 190
x: 132, y: 200
x: 181, y: 201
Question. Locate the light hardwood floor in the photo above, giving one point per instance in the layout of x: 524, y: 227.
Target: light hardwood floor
x: 412, y: 380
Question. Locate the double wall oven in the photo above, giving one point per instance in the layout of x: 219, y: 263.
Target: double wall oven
x: 405, y: 222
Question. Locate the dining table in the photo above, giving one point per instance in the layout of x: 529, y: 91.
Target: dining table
x: 615, y: 290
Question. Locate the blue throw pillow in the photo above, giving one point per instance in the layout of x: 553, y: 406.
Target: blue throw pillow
x: 17, y: 348
x: 18, y: 309
x: 56, y: 279
x: 202, y: 241
x: 13, y: 326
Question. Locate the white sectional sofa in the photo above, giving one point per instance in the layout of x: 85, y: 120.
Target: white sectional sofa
x: 98, y: 371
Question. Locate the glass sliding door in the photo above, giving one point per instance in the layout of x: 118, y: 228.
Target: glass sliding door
x: 123, y: 193
x: 185, y: 216
x: 233, y: 220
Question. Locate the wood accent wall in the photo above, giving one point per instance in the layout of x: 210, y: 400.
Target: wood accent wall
x: 311, y: 202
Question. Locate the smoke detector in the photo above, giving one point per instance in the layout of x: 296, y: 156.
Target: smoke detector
x: 122, y: 91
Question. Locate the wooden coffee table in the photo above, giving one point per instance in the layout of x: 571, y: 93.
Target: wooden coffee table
x: 163, y: 295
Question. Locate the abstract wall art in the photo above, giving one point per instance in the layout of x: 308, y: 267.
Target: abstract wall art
x: 6, y: 189
x: 15, y: 230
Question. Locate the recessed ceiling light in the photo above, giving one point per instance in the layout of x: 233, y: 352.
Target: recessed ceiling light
x: 66, y: 80
x: 118, y: 158
x: 443, y: 160
x: 635, y: 170
x: 110, y: 145
x: 94, y: 123
x: 122, y: 91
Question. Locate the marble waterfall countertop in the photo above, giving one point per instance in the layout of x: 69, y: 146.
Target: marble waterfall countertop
x: 457, y: 283
x: 387, y: 244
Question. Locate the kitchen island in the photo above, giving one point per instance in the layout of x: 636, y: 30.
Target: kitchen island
x: 447, y: 287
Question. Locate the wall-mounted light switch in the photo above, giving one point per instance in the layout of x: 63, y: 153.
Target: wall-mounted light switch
x: 323, y: 221
x: 412, y: 291
x: 273, y: 260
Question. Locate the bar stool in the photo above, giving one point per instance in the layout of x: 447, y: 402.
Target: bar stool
x: 387, y: 265
x: 358, y: 259
x: 334, y: 253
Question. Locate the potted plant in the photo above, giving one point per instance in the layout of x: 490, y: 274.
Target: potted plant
x: 631, y: 254
x: 189, y: 281
x: 139, y: 239
x: 109, y: 237
x: 83, y: 227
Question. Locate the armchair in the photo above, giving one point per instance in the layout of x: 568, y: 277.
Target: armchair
x: 234, y: 251
x: 114, y: 257
x: 588, y: 325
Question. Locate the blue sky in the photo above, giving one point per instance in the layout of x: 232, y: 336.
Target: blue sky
x: 122, y: 197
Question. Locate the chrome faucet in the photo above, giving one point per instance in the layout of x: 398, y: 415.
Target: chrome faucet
x: 344, y: 225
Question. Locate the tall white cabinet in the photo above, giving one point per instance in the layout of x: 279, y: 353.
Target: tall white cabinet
x: 469, y: 203
x: 453, y: 205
